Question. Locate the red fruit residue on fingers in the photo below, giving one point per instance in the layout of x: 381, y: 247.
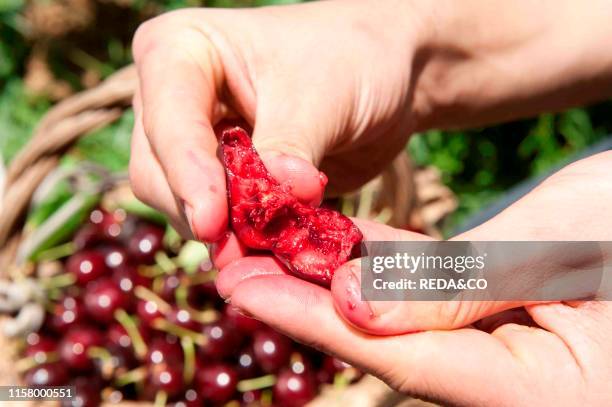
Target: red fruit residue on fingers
x: 311, y: 242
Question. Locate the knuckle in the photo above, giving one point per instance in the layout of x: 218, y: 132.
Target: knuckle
x: 165, y: 33
x: 143, y: 38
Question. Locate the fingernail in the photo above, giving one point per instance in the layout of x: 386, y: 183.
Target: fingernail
x: 356, y: 300
x: 323, y: 179
x: 189, y: 215
x: 352, y: 287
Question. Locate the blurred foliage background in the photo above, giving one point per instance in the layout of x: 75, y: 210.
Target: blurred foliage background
x: 50, y: 49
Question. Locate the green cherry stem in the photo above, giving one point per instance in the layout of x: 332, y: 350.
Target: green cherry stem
x: 189, y: 366
x: 148, y: 295
x: 167, y: 326
x: 256, y: 383
x: 128, y: 323
x: 133, y: 376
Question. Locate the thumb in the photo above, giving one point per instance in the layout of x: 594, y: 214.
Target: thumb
x: 397, y: 317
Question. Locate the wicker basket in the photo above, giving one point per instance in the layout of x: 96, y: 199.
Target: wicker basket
x: 421, y: 202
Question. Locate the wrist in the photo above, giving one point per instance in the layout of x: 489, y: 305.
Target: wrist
x: 485, y: 62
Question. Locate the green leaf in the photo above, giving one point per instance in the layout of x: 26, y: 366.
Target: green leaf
x: 19, y: 114
x: 7, y: 6
x: 59, y: 227
x: 109, y: 146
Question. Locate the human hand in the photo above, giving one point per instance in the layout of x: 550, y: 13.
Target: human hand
x: 558, y: 355
x: 312, y: 86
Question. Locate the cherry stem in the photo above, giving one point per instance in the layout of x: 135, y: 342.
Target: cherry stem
x: 29, y: 362
x: 344, y: 378
x: 58, y: 281
x: 266, y: 397
x: 256, y: 383
x: 348, y: 207
x: 200, y: 278
x: 57, y: 252
x: 190, y: 361
x: 97, y: 352
x: 148, y: 295
x: 133, y: 376
x: 165, y: 263
x: 176, y: 330
x: 205, y: 316
x: 150, y: 271
x: 54, y: 295
x: 128, y: 323
x: 161, y: 397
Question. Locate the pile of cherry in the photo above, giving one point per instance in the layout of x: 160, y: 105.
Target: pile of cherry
x: 135, y: 327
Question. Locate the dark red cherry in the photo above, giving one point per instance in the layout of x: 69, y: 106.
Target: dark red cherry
x: 240, y: 321
x: 75, y: 345
x: 217, y: 382
x: 145, y: 242
x: 38, y: 347
x: 86, y: 392
x: 148, y: 311
x: 271, y: 349
x: 183, y: 318
x: 190, y: 398
x: 127, y: 278
x: 299, y: 364
x: 87, y: 237
x: 47, y: 374
x: 102, y: 298
x: 203, y: 294
x: 114, y: 256
x: 160, y: 350
x: 170, y: 283
x: 121, y: 359
x: 208, y: 290
x: 166, y: 377
x: 246, y: 366
x: 293, y: 389
x: 69, y: 311
x: 109, y: 225
x: 86, y: 265
x: 251, y: 397
x: 222, y: 340
x: 117, y: 335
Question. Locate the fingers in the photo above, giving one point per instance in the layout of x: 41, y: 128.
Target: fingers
x: 307, y: 183
x: 396, y: 317
x: 289, y: 134
x: 434, y: 364
x: 583, y: 330
x: 227, y: 249
x: 179, y: 103
x: 241, y: 269
x: 148, y: 180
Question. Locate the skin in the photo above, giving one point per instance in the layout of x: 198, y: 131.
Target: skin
x: 337, y: 87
